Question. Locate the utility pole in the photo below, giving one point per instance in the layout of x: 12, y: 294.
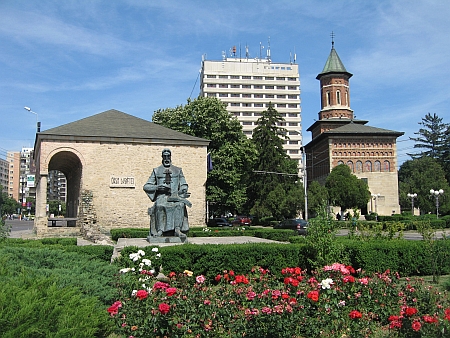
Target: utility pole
x: 305, y: 182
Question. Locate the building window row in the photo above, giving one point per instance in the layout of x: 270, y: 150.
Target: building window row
x: 279, y: 124
x: 248, y: 77
x: 368, y: 166
x: 255, y: 96
x: 362, y: 154
x: 247, y: 86
x: 261, y: 105
x: 363, y: 145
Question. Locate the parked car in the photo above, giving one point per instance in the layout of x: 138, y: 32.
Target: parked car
x: 219, y: 222
x: 241, y: 221
x: 295, y: 224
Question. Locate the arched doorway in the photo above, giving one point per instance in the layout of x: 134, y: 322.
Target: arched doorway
x: 70, y: 165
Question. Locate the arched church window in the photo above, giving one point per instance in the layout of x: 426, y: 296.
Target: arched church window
x: 387, y: 166
x: 359, y: 166
x: 328, y: 98
x: 368, y: 166
x: 340, y: 162
x: 377, y: 166
x: 338, y: 97
x: 350, y: 165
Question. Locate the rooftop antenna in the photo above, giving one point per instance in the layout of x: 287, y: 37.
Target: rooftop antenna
x: 224, y: 55
x: 246, y: 51
x: 295, y: 56
x: 234, y: 51
x: 261, y: 47
x: 268, y: 49
x: 332, y: 39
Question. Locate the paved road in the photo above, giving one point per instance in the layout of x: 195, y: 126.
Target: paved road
x: 19, y: 228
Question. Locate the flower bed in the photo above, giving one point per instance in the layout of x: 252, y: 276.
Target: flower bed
x: 335, y: 301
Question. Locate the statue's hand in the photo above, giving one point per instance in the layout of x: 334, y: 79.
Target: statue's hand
x: 163, y: 188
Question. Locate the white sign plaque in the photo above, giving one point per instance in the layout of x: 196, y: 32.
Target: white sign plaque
x: 122, y: 182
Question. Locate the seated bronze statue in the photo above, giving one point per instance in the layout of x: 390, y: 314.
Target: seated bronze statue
x: 167, y: 187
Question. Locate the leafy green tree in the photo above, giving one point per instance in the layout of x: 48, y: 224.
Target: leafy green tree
x: 420, y: 176
x: 8, y: 205
x: 345, y: 189
x: 317, y: 197
x: 274, y: 189
x: 53, y: 207
x: 232, y: 153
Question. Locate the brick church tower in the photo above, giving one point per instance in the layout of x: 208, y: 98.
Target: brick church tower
x: 338, y: 138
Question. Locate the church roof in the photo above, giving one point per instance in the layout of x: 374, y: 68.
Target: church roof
x: 333, y: 65
x: 114, y: 124
x: 356, y: 128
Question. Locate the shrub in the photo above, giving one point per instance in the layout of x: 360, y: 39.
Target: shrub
x: 129, y: 233
x: 5, y: 230
x: 67, y: 269
x: 33, y: 306
x: 371, y: 217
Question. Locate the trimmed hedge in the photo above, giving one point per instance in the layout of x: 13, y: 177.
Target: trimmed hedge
x: 210, y: 260
x: 409, y: 258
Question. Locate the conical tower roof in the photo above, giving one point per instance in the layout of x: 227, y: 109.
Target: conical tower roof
x: 333, y: 65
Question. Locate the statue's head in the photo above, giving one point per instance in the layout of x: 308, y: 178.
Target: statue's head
x: 166, y: 157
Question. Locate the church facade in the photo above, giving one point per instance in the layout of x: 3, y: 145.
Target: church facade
x: 339, y: 138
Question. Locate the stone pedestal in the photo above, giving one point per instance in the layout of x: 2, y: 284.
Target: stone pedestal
x: 166, y: 239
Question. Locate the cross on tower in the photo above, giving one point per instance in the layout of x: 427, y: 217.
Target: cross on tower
x: 332, y: 38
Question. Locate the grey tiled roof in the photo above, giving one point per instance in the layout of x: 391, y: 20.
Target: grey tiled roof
x: 355, y: 128
x: 116, y: 124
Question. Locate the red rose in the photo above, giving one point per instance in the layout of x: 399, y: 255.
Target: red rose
x: 171, y: 291
x: 447, y: 314
x: 349, y: 279
x: 430, y: 319
x: 395, y: 324
x: 164, y: 308
x: 141, y: 294
x: 416, y: 325
x: 355, y: 314
x: 114, y: 309
x: 393, y: 318
x: 410, y: 311
x: 313, y: 295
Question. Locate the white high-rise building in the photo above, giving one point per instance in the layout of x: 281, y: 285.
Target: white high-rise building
x: 248, y: 85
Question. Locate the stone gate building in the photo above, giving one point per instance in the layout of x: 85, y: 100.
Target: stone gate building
x: 107, y: 158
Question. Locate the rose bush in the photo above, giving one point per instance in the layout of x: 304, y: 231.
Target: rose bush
x: 334, y: 301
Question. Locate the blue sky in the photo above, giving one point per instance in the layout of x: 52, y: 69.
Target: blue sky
x: 67, y: 60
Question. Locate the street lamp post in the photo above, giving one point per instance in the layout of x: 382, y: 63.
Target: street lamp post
x: 22, y: 182
x: 436, y: 194
x: 305, y: 182
x: 412, y: 197
x: 375, y: 197
x: 37, y: 120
